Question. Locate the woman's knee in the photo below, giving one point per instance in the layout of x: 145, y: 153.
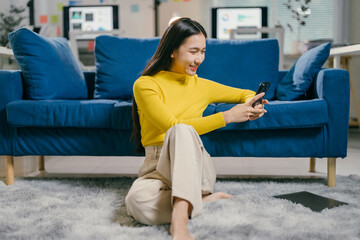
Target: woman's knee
x: 136, y: 208
x: 181, y: 128
x: 148, y: 204
x: 185, y: 133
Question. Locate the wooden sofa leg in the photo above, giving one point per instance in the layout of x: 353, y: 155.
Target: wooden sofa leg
x: 41, y: 163
x: 331, y: 171
x: 10, y: 173
x: 312, y: 164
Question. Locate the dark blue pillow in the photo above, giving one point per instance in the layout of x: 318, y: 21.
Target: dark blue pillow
x: 298, y: 80
x: 242, y: 63
x: 119, y: 62
x: 49, y: 67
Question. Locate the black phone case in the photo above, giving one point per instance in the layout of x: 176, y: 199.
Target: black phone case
x: 263, y: 87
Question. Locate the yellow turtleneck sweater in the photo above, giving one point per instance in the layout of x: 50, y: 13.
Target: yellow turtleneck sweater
x: 169, y: 98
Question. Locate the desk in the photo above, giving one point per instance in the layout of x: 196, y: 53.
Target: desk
x: 6, y: 52
x: 347, y: 52
x: 85, y: 35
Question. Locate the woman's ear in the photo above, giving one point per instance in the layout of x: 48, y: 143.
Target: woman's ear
x: 173, y: 53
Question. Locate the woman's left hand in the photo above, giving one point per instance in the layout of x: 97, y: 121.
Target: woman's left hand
x: 259, y: 106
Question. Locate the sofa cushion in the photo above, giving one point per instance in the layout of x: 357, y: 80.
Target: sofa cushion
x: 49, y: 67
x: 210, y: 109
x: 242, y: 63
x: 121, y: 116
x: 119, y: 62
x: 283, y: 115
x: 60, y: 113
x: 300, y: 77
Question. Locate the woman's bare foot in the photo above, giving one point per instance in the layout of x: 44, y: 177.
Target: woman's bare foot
x: 216, y: 196
x: 180, y: 232
x: 179, y: 220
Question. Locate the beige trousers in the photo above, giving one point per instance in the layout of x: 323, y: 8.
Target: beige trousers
x: 180, y: 168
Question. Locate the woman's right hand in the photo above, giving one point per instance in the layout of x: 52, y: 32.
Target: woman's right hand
x: 244, y: 112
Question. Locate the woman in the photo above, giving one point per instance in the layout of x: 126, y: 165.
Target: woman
x: 168, y: 103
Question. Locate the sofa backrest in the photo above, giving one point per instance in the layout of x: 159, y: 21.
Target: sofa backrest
x: 119, y: 62
x: 242, y: 63
x: 236, y: 63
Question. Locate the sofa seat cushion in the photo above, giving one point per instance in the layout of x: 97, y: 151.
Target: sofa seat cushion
x: 284, y: 114
x: 60, y: 113
x: 121, y: 118
x: 209, y: 110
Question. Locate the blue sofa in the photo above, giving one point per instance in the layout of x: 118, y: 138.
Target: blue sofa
x: 100, y: 124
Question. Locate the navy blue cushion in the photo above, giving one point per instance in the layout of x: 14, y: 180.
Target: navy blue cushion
x: 296, y: 142
x: 49, y: 67
x: 242, y: 63
x: 283, y: 115
x: 73, y: 141
x: 300, y: 77
x: 61, y: 113
x: 121, y: 117
x: 210, y: 109
x: 119, y: 62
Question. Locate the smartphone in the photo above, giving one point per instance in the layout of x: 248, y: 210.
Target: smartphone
x: 263, y: 87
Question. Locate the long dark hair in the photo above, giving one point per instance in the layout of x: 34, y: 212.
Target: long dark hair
x: 171, y: 40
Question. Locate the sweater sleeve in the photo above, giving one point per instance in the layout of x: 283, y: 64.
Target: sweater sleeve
x: 147, y: 96
x: 220, y: 93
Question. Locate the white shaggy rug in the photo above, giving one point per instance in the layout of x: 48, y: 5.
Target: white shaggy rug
x: 94, y: 209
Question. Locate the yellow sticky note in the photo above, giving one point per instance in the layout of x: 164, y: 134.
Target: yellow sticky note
x: 60, y: 7
x: 54, y: 19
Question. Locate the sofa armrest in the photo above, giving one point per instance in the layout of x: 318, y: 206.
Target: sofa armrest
x: 11, y: 89
x: 333, y: 85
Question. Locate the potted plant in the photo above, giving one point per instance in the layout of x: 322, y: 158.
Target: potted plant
x: 9, y: 22
x: 300, y: 11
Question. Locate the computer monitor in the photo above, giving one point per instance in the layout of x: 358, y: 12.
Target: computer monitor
x: 226, y: 18
x: 90, y: 18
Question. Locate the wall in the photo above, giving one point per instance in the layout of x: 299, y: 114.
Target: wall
x: 132, y: 14
x: 354, y: 37
x: 198, y: 10
x: 22, y: 165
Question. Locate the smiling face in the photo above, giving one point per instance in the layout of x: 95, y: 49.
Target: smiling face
x: 191, y: 53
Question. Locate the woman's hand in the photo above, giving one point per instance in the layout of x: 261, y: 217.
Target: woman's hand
x: 259, y: 106
x: 244, y: 112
